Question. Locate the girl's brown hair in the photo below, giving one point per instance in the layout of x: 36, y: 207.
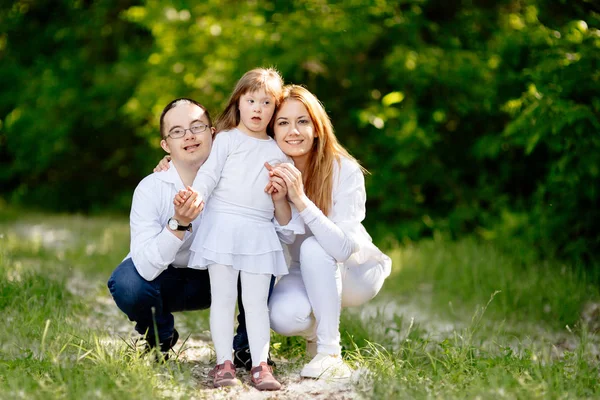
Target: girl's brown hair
x: 318, y: 174
x: 267, y: 79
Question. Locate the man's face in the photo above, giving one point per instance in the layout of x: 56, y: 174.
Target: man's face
x: 191, y: 148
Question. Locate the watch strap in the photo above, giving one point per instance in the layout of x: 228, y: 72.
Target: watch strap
x: 180, y: 227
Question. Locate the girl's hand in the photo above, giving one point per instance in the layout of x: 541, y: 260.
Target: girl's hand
x: 187, y: 210
x: 180, y: 197
x: 292, y: 178
x: 276, y: 186
x: 163, y: 164
x: 278, y: 189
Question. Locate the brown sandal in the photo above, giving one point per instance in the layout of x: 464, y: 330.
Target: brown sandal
x: 262, y: 378
x: 224, y: 375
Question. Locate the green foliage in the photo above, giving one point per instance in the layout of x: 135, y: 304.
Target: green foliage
x: 472, y: 117
x: 68, y: 68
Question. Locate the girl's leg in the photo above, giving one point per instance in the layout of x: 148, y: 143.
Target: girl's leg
x: 290, y: 310
x: 223, y: 287
x: 255, y: 292
x: 323, y: 281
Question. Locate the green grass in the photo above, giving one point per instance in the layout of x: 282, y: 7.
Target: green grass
x: 472, y: 362
x: 56, y: 341
x: 458, y: 276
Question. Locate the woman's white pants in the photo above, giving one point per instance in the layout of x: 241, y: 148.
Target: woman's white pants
x: 307, y: 302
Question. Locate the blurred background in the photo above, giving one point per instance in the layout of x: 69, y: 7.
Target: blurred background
x: 475, y: 118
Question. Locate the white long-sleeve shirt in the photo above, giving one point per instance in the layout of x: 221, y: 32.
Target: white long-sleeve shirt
x: 239, y: 227
x: 153, y: 246
x: 341, y: 233
x: 234, y: 176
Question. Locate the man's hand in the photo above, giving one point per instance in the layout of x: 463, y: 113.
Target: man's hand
x: 188, y: 205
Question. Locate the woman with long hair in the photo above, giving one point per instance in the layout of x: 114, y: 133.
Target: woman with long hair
x: 334, y: 263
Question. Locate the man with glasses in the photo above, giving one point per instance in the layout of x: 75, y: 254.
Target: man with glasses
x: 153, y: 281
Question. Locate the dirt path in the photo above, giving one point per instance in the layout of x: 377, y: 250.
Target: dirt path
x: 113, y: 327
x: 196, y: 353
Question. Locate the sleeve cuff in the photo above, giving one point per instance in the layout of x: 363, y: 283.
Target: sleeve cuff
x: 295, y: 226
x: 168, y: 245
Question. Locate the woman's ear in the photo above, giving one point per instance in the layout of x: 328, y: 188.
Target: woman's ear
x: 212, y: 132
x: 165, y: 146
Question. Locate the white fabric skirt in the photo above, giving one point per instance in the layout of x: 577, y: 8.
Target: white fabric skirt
x: 246, y: 243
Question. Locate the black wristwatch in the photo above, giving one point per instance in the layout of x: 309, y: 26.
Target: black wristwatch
x: 174, y: 225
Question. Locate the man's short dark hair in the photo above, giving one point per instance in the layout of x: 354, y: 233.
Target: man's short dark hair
x: 175, y: 103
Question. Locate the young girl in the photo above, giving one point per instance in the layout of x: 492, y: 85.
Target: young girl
x: 238, y: 232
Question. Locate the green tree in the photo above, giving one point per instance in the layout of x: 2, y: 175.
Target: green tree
x: 67, y: 69
x: 472, y: 116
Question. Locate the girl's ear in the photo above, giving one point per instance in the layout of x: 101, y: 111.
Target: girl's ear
x: 165, y: 146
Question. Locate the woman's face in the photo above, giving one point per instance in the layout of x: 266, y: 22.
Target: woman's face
x: 294, y: 129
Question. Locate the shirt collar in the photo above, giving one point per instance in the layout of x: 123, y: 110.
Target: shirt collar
x: 171, y: 176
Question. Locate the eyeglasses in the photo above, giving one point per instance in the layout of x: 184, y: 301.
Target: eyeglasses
x: 180, y: 132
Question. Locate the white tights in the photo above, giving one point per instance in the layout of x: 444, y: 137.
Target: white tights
x: 307, y: 302
x: 255, y: 291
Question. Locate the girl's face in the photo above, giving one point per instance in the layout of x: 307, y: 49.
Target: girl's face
x: 256, y: 110
x: 294, y: 129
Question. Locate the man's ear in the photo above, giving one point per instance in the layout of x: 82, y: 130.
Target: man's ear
x: 165, y: 146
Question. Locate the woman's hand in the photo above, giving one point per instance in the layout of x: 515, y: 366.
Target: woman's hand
x: 293, y: 181
x: 163, y: 164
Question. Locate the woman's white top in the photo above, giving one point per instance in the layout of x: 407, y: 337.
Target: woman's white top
x: 238, y: 226
x: 341, y: 233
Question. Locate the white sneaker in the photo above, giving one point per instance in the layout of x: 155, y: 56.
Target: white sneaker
x: 311, y: 348
x: 326, y: 366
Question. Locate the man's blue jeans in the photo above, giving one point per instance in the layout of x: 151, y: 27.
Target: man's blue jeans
x: 175, y: 289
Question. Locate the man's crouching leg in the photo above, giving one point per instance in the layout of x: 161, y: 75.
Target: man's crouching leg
x: 142, y: 302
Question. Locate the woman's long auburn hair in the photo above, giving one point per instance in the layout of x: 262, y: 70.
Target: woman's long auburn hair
x: 318, y: 174
x: 267, y: 79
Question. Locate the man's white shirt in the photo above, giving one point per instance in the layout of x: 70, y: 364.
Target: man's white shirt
x: 153, y: 246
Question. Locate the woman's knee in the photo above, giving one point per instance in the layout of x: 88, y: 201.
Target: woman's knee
x: 359, y: 288
x: 313, y: 256
x: 290, y: 317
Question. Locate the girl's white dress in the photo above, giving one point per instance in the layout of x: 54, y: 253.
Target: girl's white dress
x: 238, y: 227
